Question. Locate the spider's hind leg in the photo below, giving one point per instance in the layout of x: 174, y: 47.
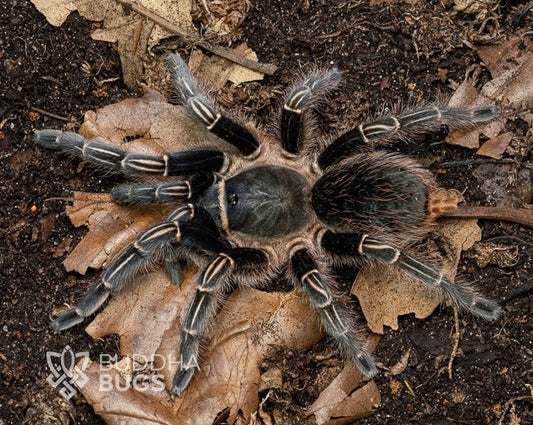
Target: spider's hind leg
x: 463, y: 296
x: 335, y: 318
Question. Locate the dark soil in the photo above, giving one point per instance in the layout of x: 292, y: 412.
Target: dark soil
x: 393, y: 53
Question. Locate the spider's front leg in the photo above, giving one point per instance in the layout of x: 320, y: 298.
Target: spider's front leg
x: 300, y: 98
x: 464, y: 297
x: 205, y: 112
x: 114, y: 157
x: 186, y: 225
x: 335, y: 318
x: 213, y: 283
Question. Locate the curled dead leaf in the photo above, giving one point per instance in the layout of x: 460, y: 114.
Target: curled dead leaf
x: 385, y: 293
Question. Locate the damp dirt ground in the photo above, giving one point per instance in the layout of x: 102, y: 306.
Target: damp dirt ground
x: 392, y: 53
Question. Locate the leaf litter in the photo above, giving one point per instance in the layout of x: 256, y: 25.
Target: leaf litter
x: 252, y: 325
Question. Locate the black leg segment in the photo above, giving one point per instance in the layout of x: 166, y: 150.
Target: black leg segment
x: 202, y: 110
x: 334, y: 317
x: 463, y: 296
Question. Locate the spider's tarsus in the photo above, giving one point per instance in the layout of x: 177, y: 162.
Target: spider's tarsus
x: 181, y: 381
x: 67, y: 320
x: 467, y: 299
x: 365, y: 364
x: 485, y: 113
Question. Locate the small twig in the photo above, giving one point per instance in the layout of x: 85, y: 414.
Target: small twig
x: 451, y: 164
x: 265, y: 68
x: 516, y: 215
x: 50, y: 114
x: 509, y: 403
x: 456, y: 340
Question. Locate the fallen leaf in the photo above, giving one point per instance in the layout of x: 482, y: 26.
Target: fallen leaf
x: 341, y: 403
x: 386, y: 292
x: 511, y: 67
x: 132, y: 32
x: 495, y: 147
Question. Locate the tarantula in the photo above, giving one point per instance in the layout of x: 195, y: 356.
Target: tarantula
x: 285, y: 203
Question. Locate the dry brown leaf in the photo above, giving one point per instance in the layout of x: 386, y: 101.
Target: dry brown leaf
x: 132, y: 32
x: 218, y: 71
x: 386, y: 292
x: 340, y: 403
x: 496, y: 146
x: 511, y: 66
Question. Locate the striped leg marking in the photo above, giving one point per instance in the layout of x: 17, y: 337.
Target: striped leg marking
x: 463, y: 296
x: 334, y: 317
x: 203, y: 111
x: 121, y: 269
x: 297, y: 101
x: 200, y: 313
x: 416, y: 121
x: 110, y: 156
x: 212, y: 283
x: 135, y: 194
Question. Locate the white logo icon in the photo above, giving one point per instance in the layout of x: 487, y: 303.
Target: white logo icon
x: 65, y: 373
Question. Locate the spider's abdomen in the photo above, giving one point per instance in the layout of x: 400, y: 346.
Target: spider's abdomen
x: 264, y: 201
x: 379, y: 194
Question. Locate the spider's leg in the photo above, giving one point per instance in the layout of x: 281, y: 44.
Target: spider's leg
x: 175, y: 229
x: 416, y: 121
x: 464, y: 297
x: 147, y: 193
x: 111, y: 156
x: 205, y: 112
x: 300, y: 98
x: 334, y: 316
x: 212, y: 284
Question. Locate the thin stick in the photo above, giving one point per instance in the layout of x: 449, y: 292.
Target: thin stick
x: 50, y: 114
x: 516, y: 215
x: 265, y: 68
x: 456, y: 340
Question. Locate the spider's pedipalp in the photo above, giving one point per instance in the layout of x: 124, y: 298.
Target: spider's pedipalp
x: 111, y: 156
x: 298, y: 100
x: 462, y: 296
x: 203, y: 111
x: 428, y: 118
x: 147, y: 193
x: 334, y: 317
x: 212, y: 284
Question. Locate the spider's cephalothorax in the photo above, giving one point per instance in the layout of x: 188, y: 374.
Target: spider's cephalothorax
x: 278, y: 205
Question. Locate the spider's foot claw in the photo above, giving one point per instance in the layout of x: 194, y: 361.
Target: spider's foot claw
x: 486, y: 309
x: 365, y: 364
x: 181, y: 381
x: 485, y: 113
x: 67, y: 320
x: 47, y: 138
